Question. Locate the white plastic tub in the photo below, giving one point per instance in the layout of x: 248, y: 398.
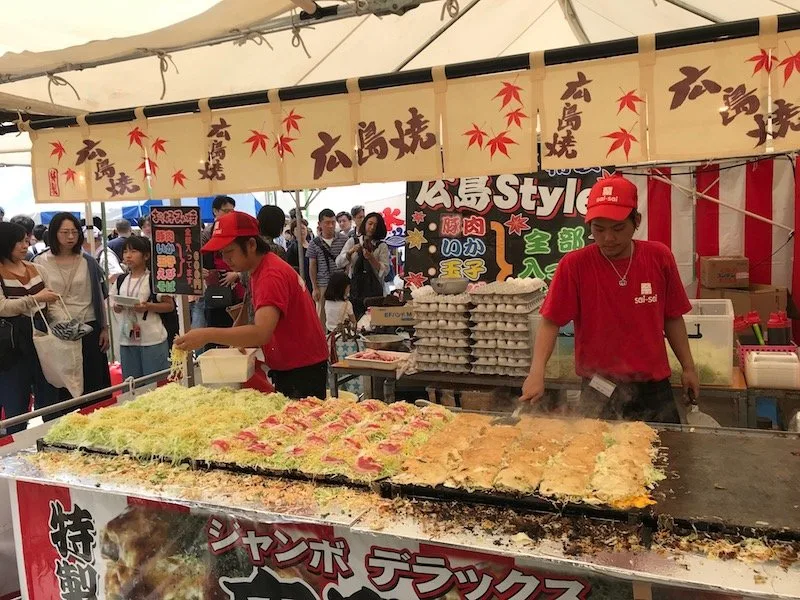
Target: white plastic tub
x: 227, y: 365
x: 772, y: 370
x: 710, y: 329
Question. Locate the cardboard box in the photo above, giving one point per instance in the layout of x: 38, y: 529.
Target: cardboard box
x: 392, y: 316
x: 762, y: 298
x: 724, y: 272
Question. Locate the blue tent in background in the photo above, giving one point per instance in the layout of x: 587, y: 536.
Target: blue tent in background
x: 48, y: 215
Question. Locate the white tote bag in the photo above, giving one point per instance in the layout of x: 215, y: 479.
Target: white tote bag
x: 61, y: 360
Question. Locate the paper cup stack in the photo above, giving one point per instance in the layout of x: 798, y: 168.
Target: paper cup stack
x: 442, y: 331
x: 501, y: 326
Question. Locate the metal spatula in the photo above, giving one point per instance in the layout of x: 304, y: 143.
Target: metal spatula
x: 696, y: 418
x: 511, y: 419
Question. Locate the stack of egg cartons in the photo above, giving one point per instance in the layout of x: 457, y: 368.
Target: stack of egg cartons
x: 501, y: 330
x: 441, y: 331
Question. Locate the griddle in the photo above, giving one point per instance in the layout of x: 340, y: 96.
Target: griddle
x: 734, y: 483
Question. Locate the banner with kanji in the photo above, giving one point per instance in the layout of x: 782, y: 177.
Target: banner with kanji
x: 84, y: 545
x: 595, y: 114
x: 489, y: 228
x: 710, y: 101
x: 707, y: 101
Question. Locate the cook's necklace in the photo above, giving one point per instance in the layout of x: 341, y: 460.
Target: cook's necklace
x: 623, y: 279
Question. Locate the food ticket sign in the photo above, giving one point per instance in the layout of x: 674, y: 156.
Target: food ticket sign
x: 86, y: 545
x: 489, y: 228
x: 176, y: 251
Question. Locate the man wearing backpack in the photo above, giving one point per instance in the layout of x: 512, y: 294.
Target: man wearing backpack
x: 145, y: 336
x: 322, y: 253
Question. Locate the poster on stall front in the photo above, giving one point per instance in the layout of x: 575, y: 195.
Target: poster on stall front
x: 86, y: 545
x: 490, y: 228
x: 176, y: 251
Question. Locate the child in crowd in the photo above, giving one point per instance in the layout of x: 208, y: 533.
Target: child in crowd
x: 338, y: 308
x: 144, y: 345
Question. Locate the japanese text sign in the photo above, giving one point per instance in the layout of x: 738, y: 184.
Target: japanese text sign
x: 176, y: 250
x: 491, y: 228
x: 83, y: 545
x: 595, y: 114
x: 783, y: 63
x: 709, y: 101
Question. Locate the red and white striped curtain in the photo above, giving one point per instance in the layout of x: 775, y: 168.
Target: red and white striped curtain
x: 767, y: 187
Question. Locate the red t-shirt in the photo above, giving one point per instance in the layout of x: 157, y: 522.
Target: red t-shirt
x: 298, y: 339
x: 619, y: 331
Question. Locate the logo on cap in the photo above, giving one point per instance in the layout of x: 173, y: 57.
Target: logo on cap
x: 608, y: 190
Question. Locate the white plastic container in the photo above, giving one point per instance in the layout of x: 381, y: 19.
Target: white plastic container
x: 227, y: 365
x: 710, y: 329
x: 774, y: 370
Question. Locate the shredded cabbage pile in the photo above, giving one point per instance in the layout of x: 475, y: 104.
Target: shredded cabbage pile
x: 171, y: 421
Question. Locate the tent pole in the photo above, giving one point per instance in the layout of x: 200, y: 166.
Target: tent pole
x: 301, y: 265
x: 622, y: 47
x: 109, y: 312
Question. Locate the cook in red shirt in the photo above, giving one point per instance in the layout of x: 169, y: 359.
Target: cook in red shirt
x: 624, y: 297
x: 286, y: 325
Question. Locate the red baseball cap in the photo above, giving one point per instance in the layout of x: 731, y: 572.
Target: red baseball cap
x: 612, y: 197
x: 229, y: 227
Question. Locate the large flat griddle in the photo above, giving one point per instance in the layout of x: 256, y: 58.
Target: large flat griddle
x: 730, y: 481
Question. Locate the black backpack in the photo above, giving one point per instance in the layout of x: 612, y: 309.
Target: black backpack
x: 169, y: 320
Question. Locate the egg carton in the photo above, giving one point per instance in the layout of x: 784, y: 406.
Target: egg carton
x: 445, y: 337
x: 442, y: 324
x: 494, y: 352
x: 520, y: 344
x: 501, y: 326
x: 506, y: 308
x: 494, y: 370
x: 445, y: 350
x: 497, y: 317
x: 438, y: 342
x: 431, y: 316
x: 502, y: 361
x: 510, y: 287
x: 445, y: 359
x: 447, y: 309
x: 478, y: 335
x: 431, y: 366
x: 453, y: 299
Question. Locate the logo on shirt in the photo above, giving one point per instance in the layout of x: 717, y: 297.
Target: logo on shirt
x: 647, y: 296
x: 647, y: 288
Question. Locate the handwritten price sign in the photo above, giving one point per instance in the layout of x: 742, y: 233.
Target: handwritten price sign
x: 176, y: 258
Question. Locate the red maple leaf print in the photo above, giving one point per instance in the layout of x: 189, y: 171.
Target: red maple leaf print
x: 515, y: 116
x: 418, y: 217
x: 291, y: 121
x: 178, y: 178
x: 58, y: 150
x: 158, y: 146
x: 790, y: 65
x: 509, y: 92
x: 629, y: 100
x: 135, y: 136
x: 283, y: 145
x: 763, y: 60
x: 416, y: 280
x: 152, y: 166
x: 256, y: 141
x: 516, y: 224
x: 69, y: 176
x: 476, y: 135
x: 622, y: 139
x: 500, y: 144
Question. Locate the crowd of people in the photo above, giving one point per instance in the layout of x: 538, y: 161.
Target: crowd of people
x: 56, y: 280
